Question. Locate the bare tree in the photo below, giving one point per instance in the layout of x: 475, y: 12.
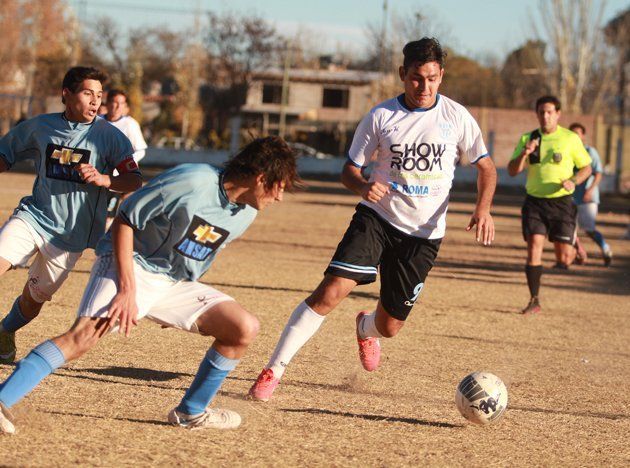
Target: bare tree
x: 236, y: 45
x: 574, y: 30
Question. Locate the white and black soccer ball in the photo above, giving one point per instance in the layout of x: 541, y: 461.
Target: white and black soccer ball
x: 481, y: 397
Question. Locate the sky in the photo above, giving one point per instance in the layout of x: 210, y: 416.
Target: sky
x: 475, y: 28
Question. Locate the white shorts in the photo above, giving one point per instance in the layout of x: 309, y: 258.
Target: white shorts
x: 19, y: 241
x: 176, y: 304
x: 587, y: 213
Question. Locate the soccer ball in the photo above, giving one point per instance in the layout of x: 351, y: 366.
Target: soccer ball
x: 481, y: 397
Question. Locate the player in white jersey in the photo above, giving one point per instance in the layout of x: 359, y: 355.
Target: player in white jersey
x: 118, y: 116
x: 418, y: 138
x: 75, y: 155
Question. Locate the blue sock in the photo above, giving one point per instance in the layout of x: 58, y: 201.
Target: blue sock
x: 30, y: 371
x: 599, y: 240
x: 212, y: 372
x: 14, y: 320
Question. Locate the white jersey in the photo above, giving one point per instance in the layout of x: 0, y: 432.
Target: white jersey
x: 416, y: 154
x: 131, y: 128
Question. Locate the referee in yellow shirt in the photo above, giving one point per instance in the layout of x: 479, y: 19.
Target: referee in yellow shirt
x: 550, y: 154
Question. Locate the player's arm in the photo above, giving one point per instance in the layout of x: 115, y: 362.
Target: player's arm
x: 519, y: 158
x: 588, y: 193
x: 353, y: 179
x: 128, y: 179
x: 486, y: 185
x: 579, y: 177
x: 123, y: 307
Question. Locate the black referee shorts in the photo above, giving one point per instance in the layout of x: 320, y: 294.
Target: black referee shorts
x: 371, y: 244
x: 551, y: 217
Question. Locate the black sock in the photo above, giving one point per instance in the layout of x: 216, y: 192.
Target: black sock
x: 533, y: 273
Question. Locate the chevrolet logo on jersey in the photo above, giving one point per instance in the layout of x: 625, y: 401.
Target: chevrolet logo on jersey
x: 205, y: 234
x: 62, y: 160
x: 201, y: 239
x: 66, y: 156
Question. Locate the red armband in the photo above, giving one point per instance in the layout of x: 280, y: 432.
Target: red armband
x: 128, y: 165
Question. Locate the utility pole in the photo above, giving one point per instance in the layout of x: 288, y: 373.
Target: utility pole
x: 381, y: 59
x: 193, y: 84
x: 284, y: 100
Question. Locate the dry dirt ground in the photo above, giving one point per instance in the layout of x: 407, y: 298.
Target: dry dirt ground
x: 567, y: 370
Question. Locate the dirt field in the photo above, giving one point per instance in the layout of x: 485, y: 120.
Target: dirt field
x: 567, y: 370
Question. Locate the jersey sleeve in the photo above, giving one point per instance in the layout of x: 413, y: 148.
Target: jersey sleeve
x: 581, y: 158
x: 142, y: 205
x: 520, y: 146
x: 471, y: 140
x: 364, y: 142
x: 596, y: 161
x: 16, y: 145
x: 120, y: 156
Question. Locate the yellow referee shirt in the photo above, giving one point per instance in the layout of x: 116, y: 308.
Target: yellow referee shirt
x: 560, y: 152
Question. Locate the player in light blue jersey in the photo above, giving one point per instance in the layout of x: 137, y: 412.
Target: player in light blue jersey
x: 586, y: 197
x: 75, y: 154
x: 165, y: 237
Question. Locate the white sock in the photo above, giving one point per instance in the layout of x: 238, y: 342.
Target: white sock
x: 367, y: 327
x: 302, y: 324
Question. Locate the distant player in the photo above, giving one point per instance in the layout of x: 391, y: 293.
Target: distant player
x: 417, y: 137
x: 586, y: 197
x: 117, y: 115
x: 165, y: 237
x: 75, y: 154
x: 550, y: 154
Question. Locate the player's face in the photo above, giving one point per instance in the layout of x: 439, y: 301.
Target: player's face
x: 579, y: 133
x: 83, y: 105
x: 548, y: 117
x: 116, y: 107
x: 421, y: 83
x: 263, y: 196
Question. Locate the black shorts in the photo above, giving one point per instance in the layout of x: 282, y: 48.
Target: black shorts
x: 552, y: 217
x: 371, y: 243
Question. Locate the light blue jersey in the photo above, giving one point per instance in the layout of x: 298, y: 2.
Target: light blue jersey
x: 596, y: 165
x: 63, y: 209
x: 181, y: 219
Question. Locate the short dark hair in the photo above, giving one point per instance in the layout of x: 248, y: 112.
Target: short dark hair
x: 77, y: 75
x: 425, y: 50
x: 548, y: 100
x: 575, y: 125
x: 269, y: 156
x: 112, y: 93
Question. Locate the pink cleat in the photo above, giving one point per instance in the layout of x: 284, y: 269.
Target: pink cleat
x: 369, y: 349
x: 264, y: 386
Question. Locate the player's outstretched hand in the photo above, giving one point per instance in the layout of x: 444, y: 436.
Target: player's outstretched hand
x: 374, y: 191
x: 124, y: 309
x: 485, y: 227
x: 90, y: 175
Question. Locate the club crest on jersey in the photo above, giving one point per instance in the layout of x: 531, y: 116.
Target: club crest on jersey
x: 61, y: 162
x: 201, y: 239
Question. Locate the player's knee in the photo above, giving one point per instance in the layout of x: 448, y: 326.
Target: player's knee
x: 248, y: 329
x: 327, y: 297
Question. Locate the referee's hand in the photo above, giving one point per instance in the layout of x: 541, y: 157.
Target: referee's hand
x: 485, y: 227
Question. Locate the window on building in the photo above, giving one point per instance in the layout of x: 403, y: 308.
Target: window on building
x: 335, y: 97
x: 272, y: 93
